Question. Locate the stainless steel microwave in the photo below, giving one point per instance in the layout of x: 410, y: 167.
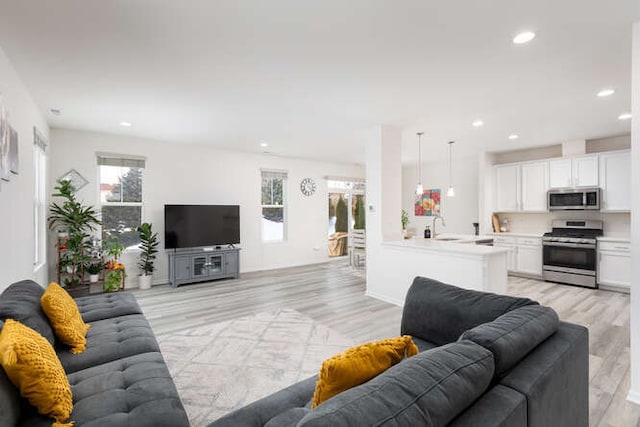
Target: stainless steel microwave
x: 578, y: 199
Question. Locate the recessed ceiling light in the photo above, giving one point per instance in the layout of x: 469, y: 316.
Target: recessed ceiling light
x: 524, y: 37
x: 477, y: 123
x: 264, y: 144
x: 624, y: 116
x: 55, y: 111
x: 125, y: 124
x: 606, y: 92
x: 513, y: 136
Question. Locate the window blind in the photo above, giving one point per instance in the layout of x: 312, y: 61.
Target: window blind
x: 273, y: 174
x: 127, y: 162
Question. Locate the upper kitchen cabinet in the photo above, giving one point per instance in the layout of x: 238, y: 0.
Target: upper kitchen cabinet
x: 615, y: 180
x: 574, y: 172
x: 521, y: 187
x: 507, y: 188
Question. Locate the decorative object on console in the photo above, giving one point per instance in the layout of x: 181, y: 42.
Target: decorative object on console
x: 428, y: 203
x: 308, y: 186
x: 149, y: 248
x: 419, y: 187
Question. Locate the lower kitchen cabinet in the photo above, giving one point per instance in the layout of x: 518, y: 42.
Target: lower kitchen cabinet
x: 614, y: 265
x: 525, y: 254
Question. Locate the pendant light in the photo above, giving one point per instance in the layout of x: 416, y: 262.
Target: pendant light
x: 450, y: 192
x: 419, y: 188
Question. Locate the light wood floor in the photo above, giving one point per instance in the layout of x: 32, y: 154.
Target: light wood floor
x: 333, y: 294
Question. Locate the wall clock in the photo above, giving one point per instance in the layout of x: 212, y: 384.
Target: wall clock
x: 308, y: 186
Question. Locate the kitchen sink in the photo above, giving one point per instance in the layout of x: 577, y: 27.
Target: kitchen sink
x: 448, y: 239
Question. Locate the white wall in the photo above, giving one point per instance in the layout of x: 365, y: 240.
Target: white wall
x: 191, y: 174
x: 16, y: 196
x: 634, y: 392
x: 460, y: 211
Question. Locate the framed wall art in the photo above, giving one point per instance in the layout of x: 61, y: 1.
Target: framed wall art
x: 428, y: 203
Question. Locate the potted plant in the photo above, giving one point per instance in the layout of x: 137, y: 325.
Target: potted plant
x: 115, y: 270
x: 405, y: 221
x: 77, y: 221
x: 149, y: 247
x: 94, y: 268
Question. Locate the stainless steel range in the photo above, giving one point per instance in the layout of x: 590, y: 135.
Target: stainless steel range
x: 569, y: 252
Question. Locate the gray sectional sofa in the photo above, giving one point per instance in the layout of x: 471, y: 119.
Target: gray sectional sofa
x: 121, y: 378
x: 485, y: 360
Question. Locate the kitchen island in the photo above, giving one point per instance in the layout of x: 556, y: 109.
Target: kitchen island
x: 452, y: 259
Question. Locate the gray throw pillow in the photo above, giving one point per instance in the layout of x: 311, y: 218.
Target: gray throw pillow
x: 513, y: 335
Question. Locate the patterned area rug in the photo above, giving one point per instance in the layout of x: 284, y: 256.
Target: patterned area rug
x: 221, y: 367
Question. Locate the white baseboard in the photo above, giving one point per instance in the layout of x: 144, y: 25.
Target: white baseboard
x: 634, y: 397
x: 384, y: 298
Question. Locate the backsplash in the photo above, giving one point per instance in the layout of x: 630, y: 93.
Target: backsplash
x: 615, y: 224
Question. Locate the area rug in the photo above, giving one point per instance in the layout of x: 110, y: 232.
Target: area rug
x: 223, y: 366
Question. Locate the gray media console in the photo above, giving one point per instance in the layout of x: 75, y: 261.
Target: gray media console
x: 201, y: 264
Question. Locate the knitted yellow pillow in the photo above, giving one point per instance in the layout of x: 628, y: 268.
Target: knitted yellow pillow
x: 359, y: 364
x: 65, y: 318
x: 33, y: 367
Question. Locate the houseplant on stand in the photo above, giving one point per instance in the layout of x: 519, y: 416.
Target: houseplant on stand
x: 77, y: 220
x: 93, y: 268
x: 149, y: 246
x: 115, y: 275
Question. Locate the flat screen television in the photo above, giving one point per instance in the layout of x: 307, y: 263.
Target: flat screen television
x: 189, y: 226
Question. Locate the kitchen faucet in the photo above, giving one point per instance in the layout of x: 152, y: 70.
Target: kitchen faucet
x: 433, y: 232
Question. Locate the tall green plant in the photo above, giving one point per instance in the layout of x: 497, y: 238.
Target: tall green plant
x: 342, y: 216
x: 78, y: 220
x: 149, y: 246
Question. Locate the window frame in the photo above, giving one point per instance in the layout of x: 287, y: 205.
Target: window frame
x: 141, y: 163
x: 275, y: 174
x: 40, y: 169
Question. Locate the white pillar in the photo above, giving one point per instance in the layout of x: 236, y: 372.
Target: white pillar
x: 384, y: 191
x: 634, y: 392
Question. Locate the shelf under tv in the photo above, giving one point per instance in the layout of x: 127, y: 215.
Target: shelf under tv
x: 191, y: 265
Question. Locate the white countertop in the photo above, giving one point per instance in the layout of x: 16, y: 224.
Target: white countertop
x: 517, y: 234
x: 616, y: 239
x: 464, y: 245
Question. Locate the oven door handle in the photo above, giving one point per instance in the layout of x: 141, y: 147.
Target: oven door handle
x: 569, y: 245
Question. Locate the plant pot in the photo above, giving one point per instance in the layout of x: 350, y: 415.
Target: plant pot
x: 93, y: 278
x: 63, y: 234
x: 145, y: 281
x: 69, y: 269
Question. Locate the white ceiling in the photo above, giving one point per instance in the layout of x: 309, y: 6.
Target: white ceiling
x: 307, y: 77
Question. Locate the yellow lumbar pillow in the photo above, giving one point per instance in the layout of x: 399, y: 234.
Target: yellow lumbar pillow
x: 32, y: 365
x: 359, y: 364
x: 65, y: 318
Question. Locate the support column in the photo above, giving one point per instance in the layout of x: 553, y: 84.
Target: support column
x: 634, y: 392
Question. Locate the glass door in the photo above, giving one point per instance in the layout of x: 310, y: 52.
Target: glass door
x: 347, y: 212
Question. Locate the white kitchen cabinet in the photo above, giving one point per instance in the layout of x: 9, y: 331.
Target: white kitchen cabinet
x: 507, y: 188
x: 529, y: 256
x: 524, y: 256
x: 614, y: 265
x: 510, y: 244
x: 573, y: 172
x: 521, y: 187
x: 534, y: 186
x: 615, y: 180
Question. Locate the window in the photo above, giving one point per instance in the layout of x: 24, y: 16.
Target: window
x: 273, y: 206
x: 39, y: 199
x: 121, y: 198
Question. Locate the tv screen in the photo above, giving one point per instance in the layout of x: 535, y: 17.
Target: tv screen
x: 188, y: 226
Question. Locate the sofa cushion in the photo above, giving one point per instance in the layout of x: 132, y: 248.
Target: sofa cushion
x: 498, y: 407
x: 111, y: 339
x: 32, y: 365
x: 359, y: 364
x: 422, y: 344
x: 514, y: 334
x: 21, y: 302
x: 431, y: 388
x: 107, y: 306
x: 133, y: 391
x: 64, y: 317
x: 288, y: 418
x: 9, y: 398
x: 439, y: 313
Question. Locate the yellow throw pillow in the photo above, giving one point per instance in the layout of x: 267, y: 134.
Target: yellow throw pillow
x: 65, y: 318
x: 33, y: 367
x: 359, y: 364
